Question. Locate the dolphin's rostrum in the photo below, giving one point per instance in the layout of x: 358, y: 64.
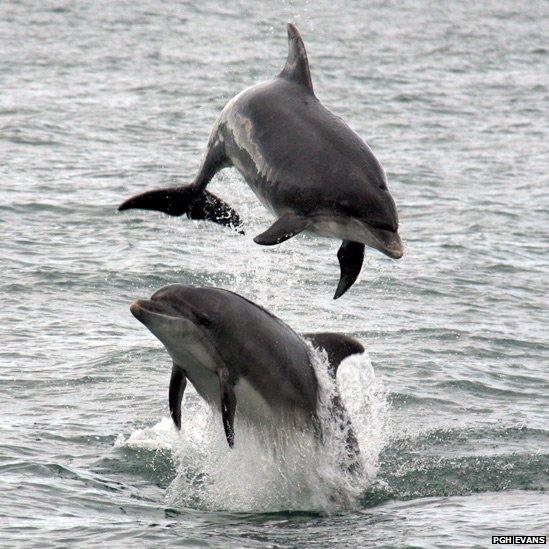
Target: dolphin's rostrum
x: 303, y: 163
x: 243, y: 360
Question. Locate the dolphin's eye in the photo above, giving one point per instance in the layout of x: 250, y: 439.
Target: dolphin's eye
x: 203, y: 321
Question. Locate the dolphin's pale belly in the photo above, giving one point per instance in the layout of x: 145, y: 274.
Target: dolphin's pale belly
x: 341, y: 228
x: 200, y: 365
x: 204, y: 381
x: 251, y: 404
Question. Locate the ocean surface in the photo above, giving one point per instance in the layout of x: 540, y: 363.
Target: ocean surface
x: 101, y: 100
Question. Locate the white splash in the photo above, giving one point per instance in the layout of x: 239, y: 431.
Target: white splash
x: 157, y: 438
x: 262, y: 473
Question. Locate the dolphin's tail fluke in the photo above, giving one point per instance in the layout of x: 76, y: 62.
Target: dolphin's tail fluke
x: 197, y: 204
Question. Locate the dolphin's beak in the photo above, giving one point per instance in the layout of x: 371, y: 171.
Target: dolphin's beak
x: 135, y: 309
x: 145, y: 308
x: 394, y: 248
x: 389, y: 243
x: 152, y: 311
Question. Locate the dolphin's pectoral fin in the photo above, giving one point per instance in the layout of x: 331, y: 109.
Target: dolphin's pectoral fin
x: 176, y: 201
x: 351, y: 256
x: 283, y: 228
x: 337, y: 347
x: 228, y: 403
x: 297, y: 64
x: 178, y: 382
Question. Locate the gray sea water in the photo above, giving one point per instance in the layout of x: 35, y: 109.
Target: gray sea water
x: 101, y: 100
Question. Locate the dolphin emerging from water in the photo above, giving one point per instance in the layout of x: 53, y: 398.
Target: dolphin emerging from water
x: 243, y: 360
x: 303, y: 163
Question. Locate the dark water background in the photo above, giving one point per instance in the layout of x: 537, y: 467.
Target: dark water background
x: 100, y: 100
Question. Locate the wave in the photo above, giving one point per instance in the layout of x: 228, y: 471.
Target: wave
x: 404, y: 475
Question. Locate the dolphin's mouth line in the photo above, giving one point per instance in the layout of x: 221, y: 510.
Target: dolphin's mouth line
x: 140, y: 305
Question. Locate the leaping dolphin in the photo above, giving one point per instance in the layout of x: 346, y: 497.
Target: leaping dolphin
x: 303, y: 163
x: 243, y: 360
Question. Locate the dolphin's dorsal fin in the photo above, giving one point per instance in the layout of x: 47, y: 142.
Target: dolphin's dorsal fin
x: 337, y: 347
x: 297, y: 65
